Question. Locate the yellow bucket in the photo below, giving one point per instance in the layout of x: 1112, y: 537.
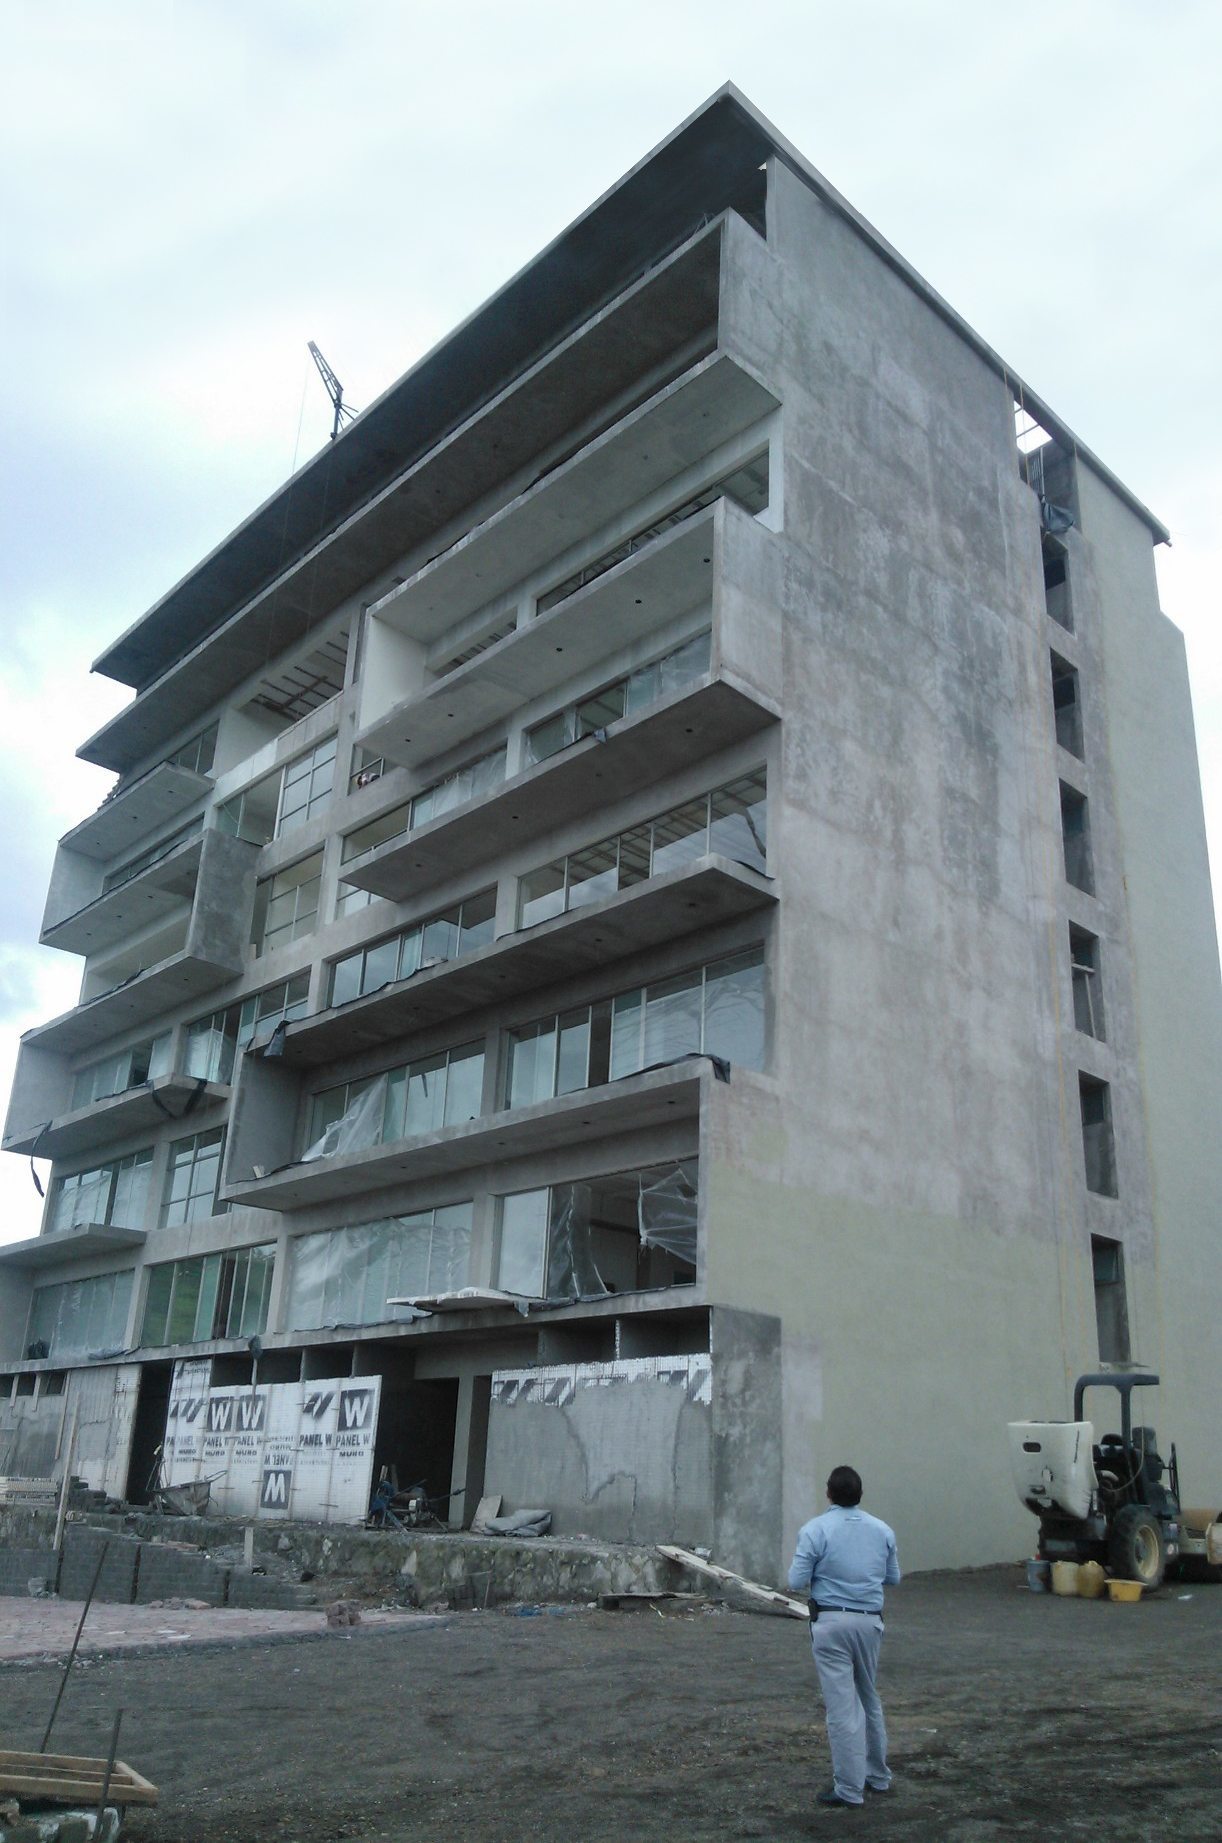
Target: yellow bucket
x: 1065, y: 1577
x: 1127, y: 1592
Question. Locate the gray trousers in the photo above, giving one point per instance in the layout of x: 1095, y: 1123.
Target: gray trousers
x: 846, y: 1647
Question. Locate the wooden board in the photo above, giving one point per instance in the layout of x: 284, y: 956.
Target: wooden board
x: 72, y: 1779
x: 782, y: 1602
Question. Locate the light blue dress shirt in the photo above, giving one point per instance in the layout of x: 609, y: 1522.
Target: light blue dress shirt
x: 844, y: 1558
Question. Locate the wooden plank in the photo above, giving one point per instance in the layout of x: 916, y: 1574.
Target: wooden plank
x: 782, y: 1602
x: 72, y: 1779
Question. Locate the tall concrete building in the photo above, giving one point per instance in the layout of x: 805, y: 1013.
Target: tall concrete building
x: 653, y: 931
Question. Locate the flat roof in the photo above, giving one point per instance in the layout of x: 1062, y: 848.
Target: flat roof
x: 708, y: 164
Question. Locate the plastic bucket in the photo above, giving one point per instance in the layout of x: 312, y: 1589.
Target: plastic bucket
x: 1127, y: 1592
x: 1065, y: 1577
x: 1037, y: 1575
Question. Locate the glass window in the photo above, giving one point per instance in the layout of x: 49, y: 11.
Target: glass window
x: 593, y: 873
x: 739, y: 821
x: 197, y: 755
x: 192, y: 1178
x: 732, y: 820
x: 375, y: 832
x: 673, y: 1019
x: 82, y: 1317
x: 680, y: 836
x: 600, y: 711
x: 252, y: 813
x: 549, y: 737
x: 459, y: 930
x: 286, y: 905
x: 522, y: 1255
x: 307, y: 785
x: 209, y: 1296
x: 131, y: 1068
x: 542, y: 894
x: 734, y: 1010
x: 114, y: 1194
x: 345, y: 1276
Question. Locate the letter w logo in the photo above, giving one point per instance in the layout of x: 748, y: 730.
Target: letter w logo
x: 356, y: 1406
x: 219, y: 1413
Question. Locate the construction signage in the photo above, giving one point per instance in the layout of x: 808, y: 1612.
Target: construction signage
x: 281, y: 1449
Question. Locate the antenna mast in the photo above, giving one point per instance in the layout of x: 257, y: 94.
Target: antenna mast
x: 335, y: 390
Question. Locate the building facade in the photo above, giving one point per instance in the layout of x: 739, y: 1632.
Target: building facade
x: 653, y: 931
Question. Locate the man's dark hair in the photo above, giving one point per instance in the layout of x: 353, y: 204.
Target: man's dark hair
x: 844, y: 1486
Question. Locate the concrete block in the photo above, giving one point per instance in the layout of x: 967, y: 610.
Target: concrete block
x: 81, y: 1550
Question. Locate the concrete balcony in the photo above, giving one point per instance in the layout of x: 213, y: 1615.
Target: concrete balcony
x: 640, y: 596
x: 74, y: 1244
x: 69, y: 1133
x: 215, y: 942
x: 699, y: 895
x: 397, y: 477
x: 146, y: 900
x: 131, y: 813
x: 712, y: 401
x: 638, y: 752
x: 658, y: 1097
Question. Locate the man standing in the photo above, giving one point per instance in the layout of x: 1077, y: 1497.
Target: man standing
x: 843, y: 1560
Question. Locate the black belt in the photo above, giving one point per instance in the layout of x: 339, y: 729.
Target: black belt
x: 872, y: 1612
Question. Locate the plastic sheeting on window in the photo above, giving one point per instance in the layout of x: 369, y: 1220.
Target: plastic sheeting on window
x: 345, y: 1276
x: 665, y: 1218
x: 666, y: 1211
x: 356, y: 1130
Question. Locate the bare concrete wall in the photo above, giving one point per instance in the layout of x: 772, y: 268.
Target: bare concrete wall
x: 616, y: 1450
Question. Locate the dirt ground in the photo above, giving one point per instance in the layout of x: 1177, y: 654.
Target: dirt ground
x: 1011, y: 1716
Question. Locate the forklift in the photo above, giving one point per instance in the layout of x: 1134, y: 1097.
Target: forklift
x: 1116, y: 1502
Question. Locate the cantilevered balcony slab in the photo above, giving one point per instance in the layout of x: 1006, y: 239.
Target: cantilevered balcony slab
x: 708, y: 405
x: 151, y: 896
x: 131, y: 813
x: 709, y: 891
x: 215, y: 948
x: 136, y: 1110
x: 641, y: 595
x: 638, y: 751
x: 75, y: 1244
x: 657, y: 1098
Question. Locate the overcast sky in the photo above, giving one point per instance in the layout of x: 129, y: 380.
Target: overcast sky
x: 192, y: 191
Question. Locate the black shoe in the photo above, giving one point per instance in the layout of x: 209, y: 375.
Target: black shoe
x: 832, y: 1797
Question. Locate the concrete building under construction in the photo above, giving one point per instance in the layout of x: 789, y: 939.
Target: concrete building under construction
x: 653, y: 932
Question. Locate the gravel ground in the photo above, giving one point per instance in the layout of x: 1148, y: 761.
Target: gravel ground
x: 1012, y: 1716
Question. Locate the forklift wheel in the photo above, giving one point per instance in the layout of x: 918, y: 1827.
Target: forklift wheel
x: 1136, y: 1550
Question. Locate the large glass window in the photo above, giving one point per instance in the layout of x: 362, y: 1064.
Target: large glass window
x: 286, y: 905
x: 197, y: 755
x: 130, y: 1068
x: 114, y: 1194
x: 681, y: 667
x: 471, y: 782
x: 732, y: 821
x: 306, y: 786
x: 192, y: 1178
x: 626, y: 1232
x: 417, y: 1097
x: 82, y: 1317
x: 345, y: 1276
x: 715, y: 1010
x: 213, y: 1041
x: 444, y: 936
x: 209, y: 1295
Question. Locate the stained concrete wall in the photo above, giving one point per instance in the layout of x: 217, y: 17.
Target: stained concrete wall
x: 903, y: 1195
x: 618, y: 1450
x: 1176, y: 986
